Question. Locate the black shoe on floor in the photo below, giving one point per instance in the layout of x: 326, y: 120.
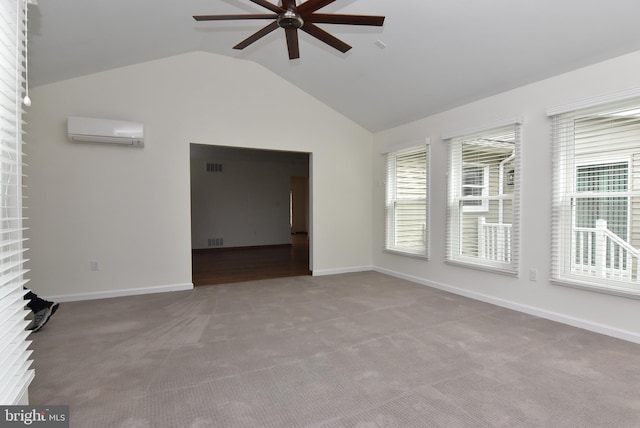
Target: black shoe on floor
x: 41, y: 317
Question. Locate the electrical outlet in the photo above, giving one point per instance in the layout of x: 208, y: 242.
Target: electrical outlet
x: 95, y: 266
x: 533, y: 274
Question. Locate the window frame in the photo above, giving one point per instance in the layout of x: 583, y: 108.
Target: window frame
x: 392, y: 202
x: 566, y: 164
x: 509, y: 234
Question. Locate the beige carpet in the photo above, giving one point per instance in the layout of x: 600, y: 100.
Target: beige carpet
x: 354, y: 350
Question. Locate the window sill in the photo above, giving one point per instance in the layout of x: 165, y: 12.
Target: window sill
x: 483, y: 267
x: 407, y: 254
x: 596, y: 288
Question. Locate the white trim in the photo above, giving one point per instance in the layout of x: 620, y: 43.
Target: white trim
x: 594, y: 101
x: 515, y: 120
x: 120, y: 293
x: 390, y: 148
x: 337, y: 271
x: 531, y: 310
x: 24, y: 398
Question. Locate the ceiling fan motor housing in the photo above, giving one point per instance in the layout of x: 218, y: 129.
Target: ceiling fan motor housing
x: 290, y: 19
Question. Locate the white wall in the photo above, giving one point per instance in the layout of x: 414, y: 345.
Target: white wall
x: 247, y: 203
x: 129, y: 209
x: 615, y: 315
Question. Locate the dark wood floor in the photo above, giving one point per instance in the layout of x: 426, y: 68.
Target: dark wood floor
x: 221, y: 266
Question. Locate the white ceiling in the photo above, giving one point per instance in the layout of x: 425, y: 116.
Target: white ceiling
x: 439, y: 53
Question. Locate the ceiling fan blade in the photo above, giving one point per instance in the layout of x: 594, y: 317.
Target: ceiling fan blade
x: 330, y: 18
x: 272, y: 7
x: 257, y: 35
x: 313, y: 5
x: 230, y: 17
x: 292, y: 42
x: 322, y: 35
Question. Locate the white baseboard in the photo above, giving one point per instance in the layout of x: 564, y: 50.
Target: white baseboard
x: 531, y: 310
x: 120, y: 293
x: 338, y: 271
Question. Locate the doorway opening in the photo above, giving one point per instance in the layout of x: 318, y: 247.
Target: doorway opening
x: 250, y: 214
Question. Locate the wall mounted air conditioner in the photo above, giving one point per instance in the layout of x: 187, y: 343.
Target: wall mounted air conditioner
x: 90, y: 130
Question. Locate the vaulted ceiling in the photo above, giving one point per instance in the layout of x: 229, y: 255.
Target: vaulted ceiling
x: 430, y: 55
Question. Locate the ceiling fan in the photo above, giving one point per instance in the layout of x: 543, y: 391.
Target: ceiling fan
x: 292, y: 17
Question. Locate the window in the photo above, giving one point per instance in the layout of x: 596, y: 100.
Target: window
x: 15, y: 375
x: 407, y: 213
x: 475, y: 187
x: 596, y: 197
x: 483, y: 205
x: 595, y: 183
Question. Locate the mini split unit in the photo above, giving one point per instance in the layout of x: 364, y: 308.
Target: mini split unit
x: 90, y: 130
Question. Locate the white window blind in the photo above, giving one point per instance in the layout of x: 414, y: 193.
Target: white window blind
x: 596, y: 197
x: 407, y: 195
x: 483, y: 199
x: 15, y: 374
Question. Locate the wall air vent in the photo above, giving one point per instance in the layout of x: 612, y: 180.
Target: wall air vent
x: 214, y: 167
x: 216, y: 242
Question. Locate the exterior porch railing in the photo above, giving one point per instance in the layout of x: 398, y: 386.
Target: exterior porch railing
x: 600, y: 252
x: 494, y: 241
